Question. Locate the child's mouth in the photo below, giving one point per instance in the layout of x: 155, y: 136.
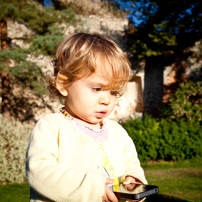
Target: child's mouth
x: 101, y: 114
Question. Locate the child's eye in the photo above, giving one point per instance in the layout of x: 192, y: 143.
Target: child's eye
x: 97, y: 89
x: 115, y: 93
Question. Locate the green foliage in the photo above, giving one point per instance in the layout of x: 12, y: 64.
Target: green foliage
x: 35, y: 16
x: 44, y: 21
x: 186, y: 103
x: 32, y: 76
x: 14, y: 141
x: 165, y: 29
x: 163, y: 139
x: 152, y: 43
x: 15, y: 192
x: 47, y: 43
x: 141, y: 50
x: 8, y: 10
x: 25, y: 71
x: 15, y: 54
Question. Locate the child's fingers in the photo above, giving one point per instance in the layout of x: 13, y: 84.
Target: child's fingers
x: 130, y: 186
x: 126, y: 182
x: 109, y: 181
x: 129, y: 180
x: 109, y: 196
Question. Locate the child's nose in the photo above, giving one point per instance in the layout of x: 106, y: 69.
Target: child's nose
x: 105, y: 97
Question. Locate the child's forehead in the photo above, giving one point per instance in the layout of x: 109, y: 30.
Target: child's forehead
x: 96, y: 78
x: 99, y: 80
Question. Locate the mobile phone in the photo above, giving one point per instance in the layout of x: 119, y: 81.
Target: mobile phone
x: 134, y: 191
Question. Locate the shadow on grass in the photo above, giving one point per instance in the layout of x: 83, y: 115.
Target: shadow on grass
x: 163, y: 198
x: 20, y: 193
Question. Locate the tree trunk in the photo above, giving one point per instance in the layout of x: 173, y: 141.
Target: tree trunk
x: 4, y: 74
x: 153, y: 88
x: 5, y: 95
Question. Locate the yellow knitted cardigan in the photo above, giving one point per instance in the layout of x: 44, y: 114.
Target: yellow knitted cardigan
x: 65, y: 165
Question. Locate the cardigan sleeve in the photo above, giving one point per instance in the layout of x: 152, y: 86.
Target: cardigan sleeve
x: 132, y: 163
x: 56, y: 181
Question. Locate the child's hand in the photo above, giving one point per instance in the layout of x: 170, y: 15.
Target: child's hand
x: 129, y: 180
x: 109, y: 195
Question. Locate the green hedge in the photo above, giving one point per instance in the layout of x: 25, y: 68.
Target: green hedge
x: 168, y: 140
x: 163, y: 139
x: 13, y: 144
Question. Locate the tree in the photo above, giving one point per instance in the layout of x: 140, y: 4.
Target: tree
x: 162, y: 30
x: 44, y: 21
x: 5, y: 81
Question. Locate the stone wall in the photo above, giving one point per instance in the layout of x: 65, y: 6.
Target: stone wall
x: 161, y: 82
x: 114, y: 27
x: 182, y: 70
x: 18, y: 33
x: 110, y: 26
x: 130, y: 105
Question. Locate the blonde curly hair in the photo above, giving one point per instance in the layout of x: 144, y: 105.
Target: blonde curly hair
x: 80, y: 55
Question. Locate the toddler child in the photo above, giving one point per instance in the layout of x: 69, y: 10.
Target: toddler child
x: 73, y: 155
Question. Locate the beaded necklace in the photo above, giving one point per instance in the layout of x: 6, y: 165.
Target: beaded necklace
x: 97, y: 134
x: 65, y: 113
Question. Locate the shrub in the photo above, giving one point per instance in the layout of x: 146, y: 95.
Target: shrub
x: 34, y: 16
x: 13, y: 144
x: 25, y: 71
x: 47, y: 43
x: 186, y: 103
x: 163, y: 139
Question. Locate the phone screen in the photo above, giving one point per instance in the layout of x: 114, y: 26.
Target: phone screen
x: 134, y: 190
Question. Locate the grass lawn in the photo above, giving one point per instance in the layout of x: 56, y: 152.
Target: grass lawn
x: 14, y: 193
x: 177, y: 182
x: 180, y: 181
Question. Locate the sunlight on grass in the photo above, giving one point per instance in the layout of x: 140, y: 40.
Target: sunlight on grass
x: 177, y: 182
x: 14, y: 193
x: 182, y: 180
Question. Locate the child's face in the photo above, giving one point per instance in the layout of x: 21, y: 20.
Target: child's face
x: 88, y: 101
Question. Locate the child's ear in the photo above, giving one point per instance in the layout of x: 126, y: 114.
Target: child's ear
x: 60, y: 85
x: 62, y: 90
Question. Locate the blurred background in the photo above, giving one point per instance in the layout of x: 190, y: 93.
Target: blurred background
x: 161, y: 108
